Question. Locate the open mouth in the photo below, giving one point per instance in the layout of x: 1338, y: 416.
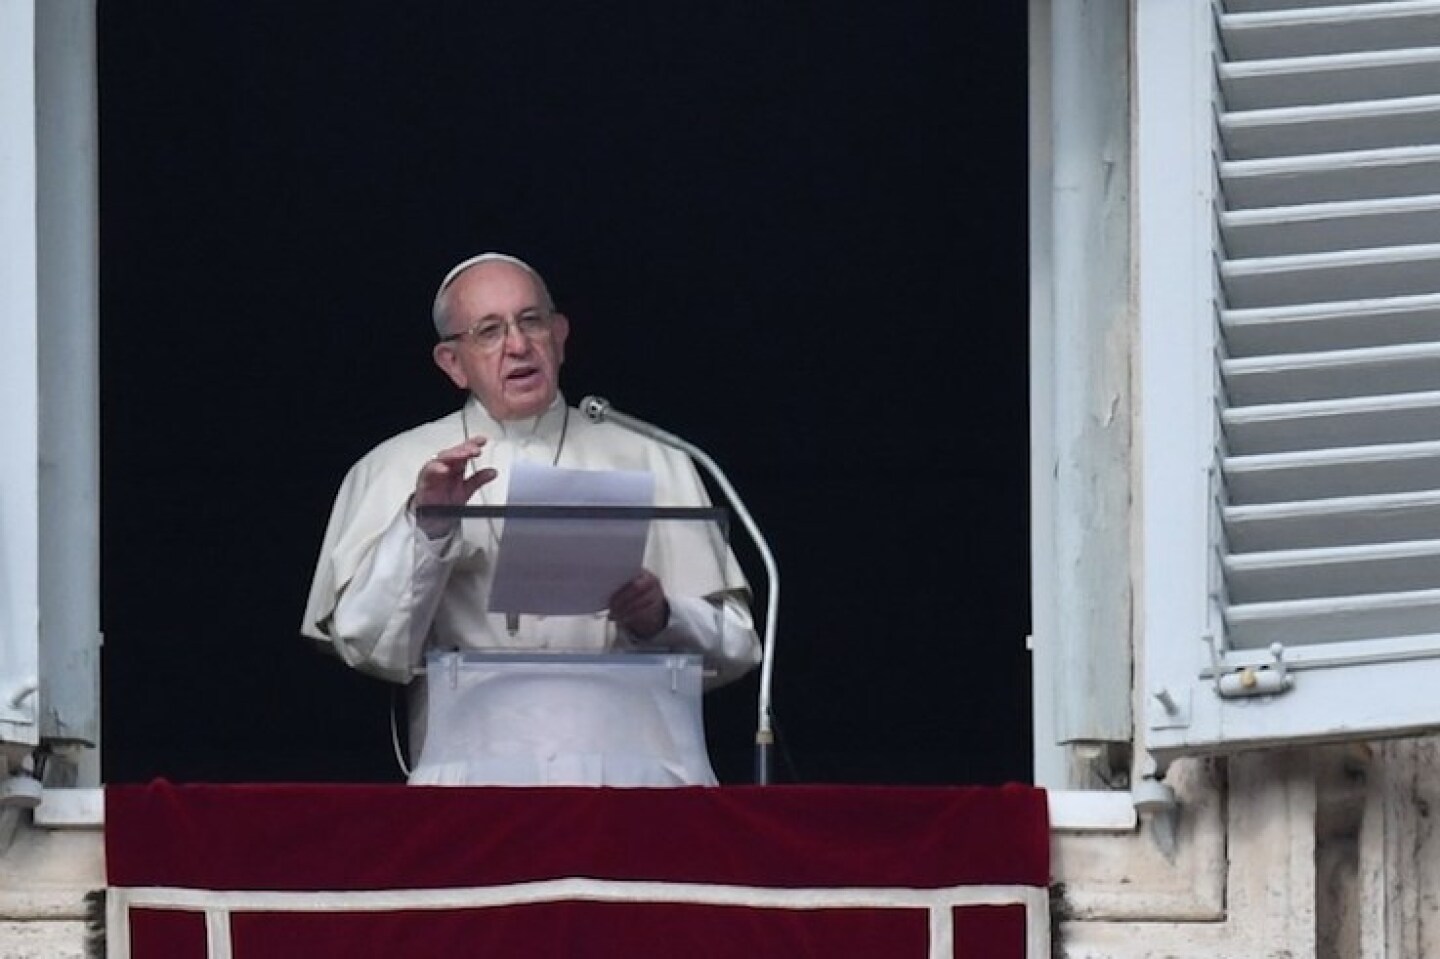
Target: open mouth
x: 522, y: 375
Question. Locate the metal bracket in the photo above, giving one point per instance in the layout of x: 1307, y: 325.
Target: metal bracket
x: 1248, y: 681
x: 18, y: 704
x: 1169, y: 710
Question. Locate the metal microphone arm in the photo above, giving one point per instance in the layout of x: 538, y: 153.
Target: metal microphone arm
x: 598, y: 410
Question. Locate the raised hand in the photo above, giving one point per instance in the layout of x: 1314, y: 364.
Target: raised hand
x: 442, y: 482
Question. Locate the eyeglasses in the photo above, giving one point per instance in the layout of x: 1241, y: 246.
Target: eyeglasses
x: 489, y: 333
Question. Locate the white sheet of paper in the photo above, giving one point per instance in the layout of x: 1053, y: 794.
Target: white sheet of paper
x: 559, y: 567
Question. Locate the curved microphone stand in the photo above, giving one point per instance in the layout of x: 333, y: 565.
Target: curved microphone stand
x: 598, y: 410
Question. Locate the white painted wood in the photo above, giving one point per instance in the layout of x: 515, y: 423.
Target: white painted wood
x: 1331, y: 225
x: 1365, y: 700
x: 1341, y: 521
x: 1081, y: 331
x: 1050, y: 765
x: 1177, y: 429
x: 1318, y: 374
x: 1334, y: 656
x: 19, y: 379
x: 1324, y: 383
x: 1335, y: 28
x: 1352, y: 174
x: 67, y: 187
x: 1347, y: 421
x: 1331, y: 277
x: 1332, y: 571
x: 1327, y: 473
x: 1300, y: 81
x: 49, y: 475
x: 1364, y: 125
x: 1251, y: 6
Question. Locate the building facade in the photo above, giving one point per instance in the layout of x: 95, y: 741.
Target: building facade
x: 1235, y: 330
x: 1235, y: 368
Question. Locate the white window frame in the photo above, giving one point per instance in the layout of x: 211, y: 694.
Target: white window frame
x: 1080, y: 336
x: 49, y: 389
x: 19, y: 381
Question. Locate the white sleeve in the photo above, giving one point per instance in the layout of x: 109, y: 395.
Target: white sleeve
x: 382, y: 617
x: 720, y: 629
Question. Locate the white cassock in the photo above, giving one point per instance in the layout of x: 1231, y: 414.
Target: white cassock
x: 385, y: 595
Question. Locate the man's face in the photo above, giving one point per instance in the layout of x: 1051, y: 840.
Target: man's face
x: 520, y: 376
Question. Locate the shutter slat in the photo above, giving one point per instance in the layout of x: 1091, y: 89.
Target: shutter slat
x: 1329, y: 474
x: 1334, y: 619
x: 1303, y: 377
x: 1363, y: 125
x: 1331, y: 424
x: 1335, y: 571
x: 1328, y: 277
x: 1251, y: 6
x: 1324, y: 177
x: 1265, y: 84
x: 1342, y: 325
x: 1346, y: 521
x: 1320, y: 227
x: 1315, y: 31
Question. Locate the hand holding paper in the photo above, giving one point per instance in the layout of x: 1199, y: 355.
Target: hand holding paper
x: 569, y: 566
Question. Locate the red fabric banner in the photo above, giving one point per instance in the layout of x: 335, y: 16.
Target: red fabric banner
x: 753, y: 872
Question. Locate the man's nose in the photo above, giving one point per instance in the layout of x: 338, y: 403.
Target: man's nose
x: 515, y: 341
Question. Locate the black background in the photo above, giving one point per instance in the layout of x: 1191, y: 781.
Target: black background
x: 793, y: 233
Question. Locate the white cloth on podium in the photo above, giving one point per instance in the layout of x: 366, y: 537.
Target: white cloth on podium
x: 622, y: 720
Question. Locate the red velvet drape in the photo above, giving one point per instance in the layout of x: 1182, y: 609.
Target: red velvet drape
x: 748, y: 846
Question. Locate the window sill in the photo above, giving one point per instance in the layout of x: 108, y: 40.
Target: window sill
x: 75, y: 808
x: 1091, y: 810
x: 1071, y: 811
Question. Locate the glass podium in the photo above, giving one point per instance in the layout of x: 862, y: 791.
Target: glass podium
x: 603, y: 713
x: 612, y: 719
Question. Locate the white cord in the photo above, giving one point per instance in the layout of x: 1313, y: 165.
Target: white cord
x: 395, y: 733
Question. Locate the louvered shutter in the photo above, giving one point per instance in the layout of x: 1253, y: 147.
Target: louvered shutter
x: 1317, y: 365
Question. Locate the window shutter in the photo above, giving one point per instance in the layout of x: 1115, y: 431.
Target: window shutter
x: 1323, y: 376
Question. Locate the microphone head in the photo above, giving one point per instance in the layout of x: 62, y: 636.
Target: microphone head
x: 595, y: 408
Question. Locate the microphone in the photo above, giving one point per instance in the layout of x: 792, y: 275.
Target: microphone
x: 597, y: 409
